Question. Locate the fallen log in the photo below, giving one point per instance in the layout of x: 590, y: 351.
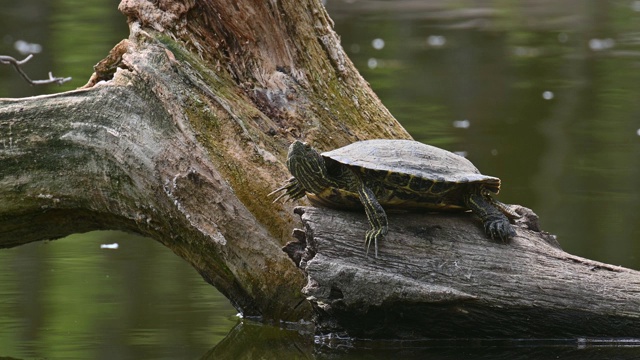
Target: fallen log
x: 181, y: 133
x: 439, y: 276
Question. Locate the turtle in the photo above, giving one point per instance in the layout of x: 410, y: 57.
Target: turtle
x: 401, y: 174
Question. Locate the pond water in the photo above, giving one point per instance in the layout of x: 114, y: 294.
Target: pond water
x: 545, y: 95
x: 106, y: 295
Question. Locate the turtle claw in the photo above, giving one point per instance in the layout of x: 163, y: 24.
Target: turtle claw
x: 373, y: 236
x: 499, y: 229
x: 291, y: 189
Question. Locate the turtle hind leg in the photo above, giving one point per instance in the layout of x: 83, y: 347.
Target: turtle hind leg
x: 377, y: 218
x: 496, y: 224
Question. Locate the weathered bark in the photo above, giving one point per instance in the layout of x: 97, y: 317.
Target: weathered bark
x: 180, y: 135
x: 439, y: 276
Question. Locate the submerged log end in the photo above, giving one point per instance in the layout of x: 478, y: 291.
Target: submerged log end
x: 439, y: 276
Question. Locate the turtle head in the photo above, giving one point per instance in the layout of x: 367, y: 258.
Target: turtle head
x: 307, y: 165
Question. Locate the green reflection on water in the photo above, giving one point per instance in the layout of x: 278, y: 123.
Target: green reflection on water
x: 551, y: 109
x: 89, y: 42
x: 72, y: 299
x: 73, y: 35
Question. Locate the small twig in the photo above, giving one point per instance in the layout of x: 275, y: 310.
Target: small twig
x: 8, y: 60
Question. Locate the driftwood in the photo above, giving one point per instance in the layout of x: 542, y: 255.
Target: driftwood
x: 17, y: 64
x: 439, y: 276
x: 181, y: 133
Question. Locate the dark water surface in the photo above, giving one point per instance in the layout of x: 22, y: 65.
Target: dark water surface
x: 543, y: 94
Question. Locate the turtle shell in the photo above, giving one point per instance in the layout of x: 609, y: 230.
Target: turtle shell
x: 410, y: 165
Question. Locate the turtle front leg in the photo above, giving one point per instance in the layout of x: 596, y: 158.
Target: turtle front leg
x: 291, y: 188
x: 377, y: 218
x: 496, y: 224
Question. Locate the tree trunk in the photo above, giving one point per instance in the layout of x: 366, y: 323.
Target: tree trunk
x: 180, y: 135
x: 439, y: 276
x: 182, y: 132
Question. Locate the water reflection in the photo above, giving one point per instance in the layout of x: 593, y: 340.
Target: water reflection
x: 73, y: 299
x: 249, y: 340
x: 71, y: 37
x: 257, y: 341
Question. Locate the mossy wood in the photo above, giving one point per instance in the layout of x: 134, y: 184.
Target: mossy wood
x: 182, y: 132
